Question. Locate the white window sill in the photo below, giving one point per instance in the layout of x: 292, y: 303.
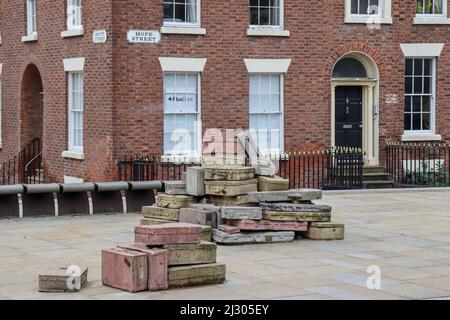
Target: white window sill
x: 421, y: 137
x: 73, y: 155
x: 183, y: 30
x: 72, y: 33
x: 30, y: 38
x: 431, y: 20
x: 368, y: 20
x: 267, y: 32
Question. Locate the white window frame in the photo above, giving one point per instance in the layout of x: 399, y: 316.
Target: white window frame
x: 440, y: 15
x: 70, y: 25
x: 432, y: 129
x: 424, y: 51
x: 192, y: 154
x: 31, y: 18
x: 366, y: 15
x: 429, y: 18
x: 384, y: 16
x: 72, y: 147
x: 281, y: 112
x: 197, y: 24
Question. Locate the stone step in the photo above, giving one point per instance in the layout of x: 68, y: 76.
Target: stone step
x: 373, y: 169
x: 378, y: 184
x: 376, y: 176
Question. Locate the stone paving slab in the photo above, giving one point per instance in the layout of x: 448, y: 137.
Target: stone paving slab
x: 404, y: 233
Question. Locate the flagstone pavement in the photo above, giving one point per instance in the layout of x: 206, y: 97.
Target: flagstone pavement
x: 405, y: 234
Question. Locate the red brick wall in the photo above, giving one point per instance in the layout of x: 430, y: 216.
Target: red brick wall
x: 48, y: 54
x: 318, y: 38
x: 124, y: 82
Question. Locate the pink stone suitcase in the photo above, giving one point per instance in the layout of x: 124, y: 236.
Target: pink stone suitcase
x: 168, y: 233
x: 228, y: 229
x: 158, y: 262
x: 125, y: 269
x: 261, y: 225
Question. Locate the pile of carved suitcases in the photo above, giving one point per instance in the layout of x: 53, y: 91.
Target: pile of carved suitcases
x: 163, y: 256
x: 242, y: 207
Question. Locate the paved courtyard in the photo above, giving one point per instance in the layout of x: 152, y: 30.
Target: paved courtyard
x: 406, y: 234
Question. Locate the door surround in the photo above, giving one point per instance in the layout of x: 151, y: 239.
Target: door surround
x: 370, y: 106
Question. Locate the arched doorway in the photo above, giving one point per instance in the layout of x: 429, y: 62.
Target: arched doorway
x: 355, y: 105
x: 31, y: 112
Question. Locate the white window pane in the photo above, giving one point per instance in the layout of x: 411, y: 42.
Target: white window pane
x: 254, y: 103
x: 169, y: 83
x: 254, y: 84
x: 275, y: 103
x: 265, y: 84
x: 169, y: 103
x: 192, y: 82
x: 275, y: 84
x: 253, y: 122
x: 265, y: 102
x: 180, y: 82
x: 275, y: 121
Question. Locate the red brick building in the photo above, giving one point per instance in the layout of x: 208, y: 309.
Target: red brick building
x: 100, y: 80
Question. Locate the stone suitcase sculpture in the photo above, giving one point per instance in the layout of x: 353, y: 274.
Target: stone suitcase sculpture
x: 296, y: 216
x: 230, y: 188
x: 173, y: 201
x: 265, y: 225
x: 295, y: 207
x: 231, y: 173
x: 158, y: 261
x: 252, y: 237
x: 229, y: 228
x: 195, y: 181
x: 63, y: 279
x: 199, y: 216
x: 186, y: 254
x: 175, y: 187
x: 272, y: 184
x: 241, y: 213
x: 325, y: 231
x: 228, y: 201
x: 206, y: 274
x: 125, y: 269
x: 161, y: 213
x: 170, y: 233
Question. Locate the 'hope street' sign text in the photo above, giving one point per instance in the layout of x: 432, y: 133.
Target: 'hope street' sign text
x: 143, y: 36
x: 100, y: 36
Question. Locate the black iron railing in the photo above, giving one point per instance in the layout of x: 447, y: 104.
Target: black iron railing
x: 332, y: 168
x: 147, y: 168
x: 12, y: 170
x: 419, y: 164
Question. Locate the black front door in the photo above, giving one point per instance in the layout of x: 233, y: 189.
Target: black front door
x: 348, y: 107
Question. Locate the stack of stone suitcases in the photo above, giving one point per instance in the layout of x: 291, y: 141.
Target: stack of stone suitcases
x: 242, y: 207
x: 163, y: 256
